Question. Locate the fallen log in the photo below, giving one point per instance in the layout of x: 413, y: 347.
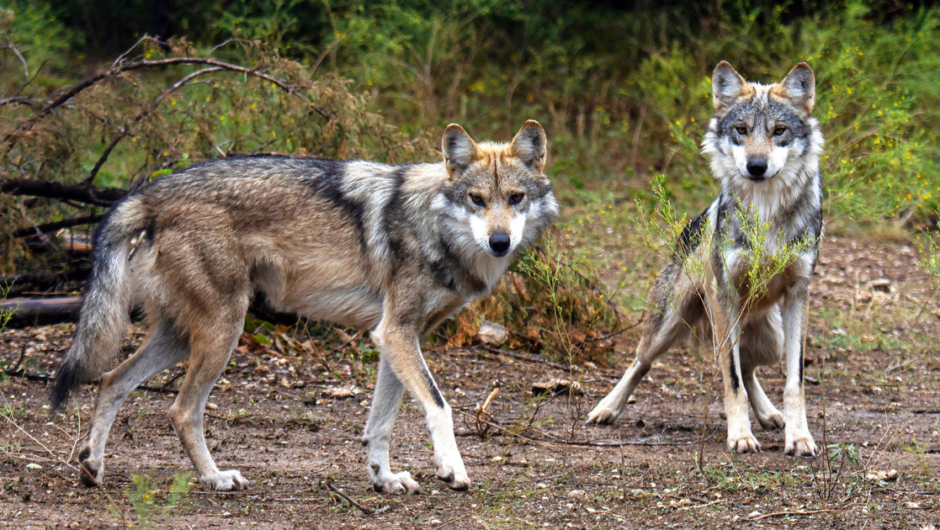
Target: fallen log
x: 41, y: 311
x: 57, y: 190
x: 44, y: 311
x: 52, y: 227
x: 46, y: 281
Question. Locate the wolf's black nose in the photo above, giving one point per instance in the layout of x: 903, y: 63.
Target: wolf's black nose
x: 499, y: 242
x: 757, y: 167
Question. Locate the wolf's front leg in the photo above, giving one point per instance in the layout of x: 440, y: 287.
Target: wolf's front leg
x: 385, y: 403
x: 798, y: 439
x: 398, y: 344
x: 727, y: 339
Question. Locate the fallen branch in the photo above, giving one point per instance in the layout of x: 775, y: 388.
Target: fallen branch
x: 47, y: 378
x: 339, y: 492
x: 778, y: 514
x: 120, y: 67
x: 58, y: 225
x: 529, y: 358
x: 40, y: 444
x: 696, y: 507
x: 44, y: 281
x: 70, y: 192
x: 28, y: 311
x: 17, y: 100
x: 559, y: 441
x: 452, y: 521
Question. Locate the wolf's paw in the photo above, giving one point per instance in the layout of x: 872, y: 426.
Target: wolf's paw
x: 91, y: 472
x: 743, y: 442
x: 603, y: 415
x: 457, y: 479
x: 772, y: 422
x: 800, y: 444
x: 400, y: 483
x: 230, y: 480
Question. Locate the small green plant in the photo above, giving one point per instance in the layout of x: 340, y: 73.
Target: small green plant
x: 918, y: 450
x: 147, y: 502
x: 5, y: 314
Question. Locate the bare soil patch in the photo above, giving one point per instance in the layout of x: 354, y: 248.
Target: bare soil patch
x: 533, y: 461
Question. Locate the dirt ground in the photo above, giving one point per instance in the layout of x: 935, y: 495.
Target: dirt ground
x: 872, y: 393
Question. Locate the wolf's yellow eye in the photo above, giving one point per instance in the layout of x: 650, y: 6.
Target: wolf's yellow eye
x: 741, y: 130
x: 477, y: 199
x: 516, y: 198
x: 779, y: 130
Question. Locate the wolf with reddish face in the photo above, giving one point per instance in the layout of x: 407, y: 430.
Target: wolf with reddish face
x: 393, y: 249
x: 764, y: 147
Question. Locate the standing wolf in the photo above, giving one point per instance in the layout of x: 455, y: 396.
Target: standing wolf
x: 764, y: 147
x: 396, y: 249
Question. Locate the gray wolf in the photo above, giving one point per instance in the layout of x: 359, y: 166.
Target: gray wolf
x: 393, y: 249
x: 764, y: 147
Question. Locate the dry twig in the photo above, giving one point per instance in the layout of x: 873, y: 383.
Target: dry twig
x: 349, y: 499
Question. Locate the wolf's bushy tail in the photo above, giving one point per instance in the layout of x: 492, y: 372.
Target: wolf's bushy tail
x: 106, y: 304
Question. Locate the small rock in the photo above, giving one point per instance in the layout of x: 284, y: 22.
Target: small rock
x: 341, y: 392
x: 883, y: 476
x: 881, y: 284
x: 557, y: 387
x: 492, y: 333
x: 576, y: 494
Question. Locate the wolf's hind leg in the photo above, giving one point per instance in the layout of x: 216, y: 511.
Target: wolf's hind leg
x: 162, y: 348
x: 799, y: 441
x: 386, y: 401
x: 762, y: 344
x: 767, y: 414
x: 211, y: 347
x: 674, y: 326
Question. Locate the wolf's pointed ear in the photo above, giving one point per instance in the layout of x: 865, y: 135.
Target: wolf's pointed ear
x: 459, y: 149
x: 799, y: 86
x: 530, y: 145
x: 727, y: 85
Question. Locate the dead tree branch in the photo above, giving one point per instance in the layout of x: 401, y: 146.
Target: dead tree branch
x: 125, y: 130
x: 70, y: 192
x: 50, y: 227
x: 120, y: 67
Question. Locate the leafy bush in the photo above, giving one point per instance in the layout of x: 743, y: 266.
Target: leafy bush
x: 624, y: 94
x: 549, y: 301
x: 157, y: 109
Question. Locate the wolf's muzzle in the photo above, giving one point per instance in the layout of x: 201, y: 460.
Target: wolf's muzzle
x: 499, y: 244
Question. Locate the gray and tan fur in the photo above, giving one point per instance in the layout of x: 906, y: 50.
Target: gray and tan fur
x: 394, y: 249
x: 764, y: 147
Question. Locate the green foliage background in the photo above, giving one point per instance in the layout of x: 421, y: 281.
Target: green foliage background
x: 622, y: 89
